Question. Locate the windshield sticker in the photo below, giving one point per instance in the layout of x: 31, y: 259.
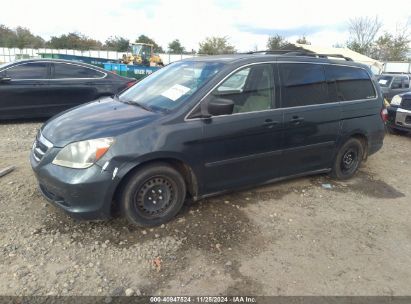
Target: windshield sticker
x: 175, y: 92
x: 382, y: 81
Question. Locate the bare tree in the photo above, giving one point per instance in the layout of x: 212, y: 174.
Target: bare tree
x: 363, y: 31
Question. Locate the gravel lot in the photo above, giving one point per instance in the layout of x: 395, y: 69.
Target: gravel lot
x: 289, y: 238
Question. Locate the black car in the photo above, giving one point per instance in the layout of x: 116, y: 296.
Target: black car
x: 399, y: 114
x: 204, y: 126
x: 42, y: 87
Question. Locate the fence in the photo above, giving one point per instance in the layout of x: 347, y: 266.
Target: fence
x: 12, y: 54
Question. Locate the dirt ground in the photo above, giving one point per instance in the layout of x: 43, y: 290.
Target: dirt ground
x: 290, y: 238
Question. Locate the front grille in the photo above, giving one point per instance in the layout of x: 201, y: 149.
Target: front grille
x: 40, y: 147
x: 406, y: 104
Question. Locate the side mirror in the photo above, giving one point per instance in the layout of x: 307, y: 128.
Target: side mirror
x: 220, y: 106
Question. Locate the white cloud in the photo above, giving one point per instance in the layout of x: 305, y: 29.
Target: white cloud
x: 323, y: 22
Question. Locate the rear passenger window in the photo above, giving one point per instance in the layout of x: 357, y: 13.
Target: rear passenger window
x: 348, y: 83
x: 33, y: 70
x: 63, y: 70
x: 302, y: 84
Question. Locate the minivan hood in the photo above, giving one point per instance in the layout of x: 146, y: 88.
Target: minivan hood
x: 101, y: 118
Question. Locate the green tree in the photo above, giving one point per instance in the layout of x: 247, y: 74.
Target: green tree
x: 19, y: 37
x: 25, y: 39
x: 7, y: 36
x: 118, y: 44
x: 389, y: 47
x: 74, y: 40
x: 303, y: 40
x: 276, y: 42
x: 216, y: 46
x: 145, y: 39
x: 175, y: 47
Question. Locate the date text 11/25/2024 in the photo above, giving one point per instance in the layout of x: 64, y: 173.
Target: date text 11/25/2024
x: 203, y: 299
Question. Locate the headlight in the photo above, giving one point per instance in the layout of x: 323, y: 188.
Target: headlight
x: 83, y: 154
x: 396, y: 100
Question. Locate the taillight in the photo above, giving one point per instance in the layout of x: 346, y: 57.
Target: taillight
x: 130, y: 84
x: 384, y: 114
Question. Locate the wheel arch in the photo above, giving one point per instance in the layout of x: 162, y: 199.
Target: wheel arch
x: 361, y: 136
x: 181, y: 166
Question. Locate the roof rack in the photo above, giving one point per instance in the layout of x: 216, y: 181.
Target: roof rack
x: 300, y: 53
x: 279, y: 52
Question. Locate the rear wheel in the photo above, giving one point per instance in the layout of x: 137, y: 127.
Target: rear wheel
x: 153, y: 195
x: 348, y: 159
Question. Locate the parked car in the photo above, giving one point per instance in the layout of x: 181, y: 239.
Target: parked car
x: 183, y: 132
x: 399, y: 114
x: 392, y: 85
x: 42, y: 87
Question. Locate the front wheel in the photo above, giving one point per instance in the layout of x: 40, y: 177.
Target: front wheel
x: 153, y: 195
x: 348, y: 159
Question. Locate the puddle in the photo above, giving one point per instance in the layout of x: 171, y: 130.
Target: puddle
x: 364, y: 184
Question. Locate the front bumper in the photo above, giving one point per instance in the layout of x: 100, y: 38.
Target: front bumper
x: 82, y: 193
x: 399, y: 118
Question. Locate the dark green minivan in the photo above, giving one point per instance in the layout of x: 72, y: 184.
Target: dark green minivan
x: 208, y: 125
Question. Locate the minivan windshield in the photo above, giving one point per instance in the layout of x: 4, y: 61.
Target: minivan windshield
x: 384, y: 81
x: 171, y: 86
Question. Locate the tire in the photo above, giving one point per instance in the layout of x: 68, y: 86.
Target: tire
x: 348, y: 159
x: 392, y: 130
x: 153, y: 195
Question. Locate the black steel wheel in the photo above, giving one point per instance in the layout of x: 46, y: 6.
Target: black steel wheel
x: 348, y: 159
x: 153, y: 195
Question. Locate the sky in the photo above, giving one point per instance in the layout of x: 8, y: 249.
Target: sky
x: 247, y: 23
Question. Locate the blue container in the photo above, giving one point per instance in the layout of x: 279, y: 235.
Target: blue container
x: 134, y: 71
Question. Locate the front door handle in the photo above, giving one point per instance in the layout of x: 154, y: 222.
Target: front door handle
x: 269, y: 123
x: 296, y: 120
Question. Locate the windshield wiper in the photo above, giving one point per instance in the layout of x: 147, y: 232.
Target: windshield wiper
x: 136, y: 103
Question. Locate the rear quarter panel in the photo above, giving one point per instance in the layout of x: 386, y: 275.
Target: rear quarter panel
x: 363, y: 118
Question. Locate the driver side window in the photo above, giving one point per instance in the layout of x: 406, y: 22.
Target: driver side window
x: 251, y: 89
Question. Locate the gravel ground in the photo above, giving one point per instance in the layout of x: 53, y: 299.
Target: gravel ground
x: 289, y: 238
